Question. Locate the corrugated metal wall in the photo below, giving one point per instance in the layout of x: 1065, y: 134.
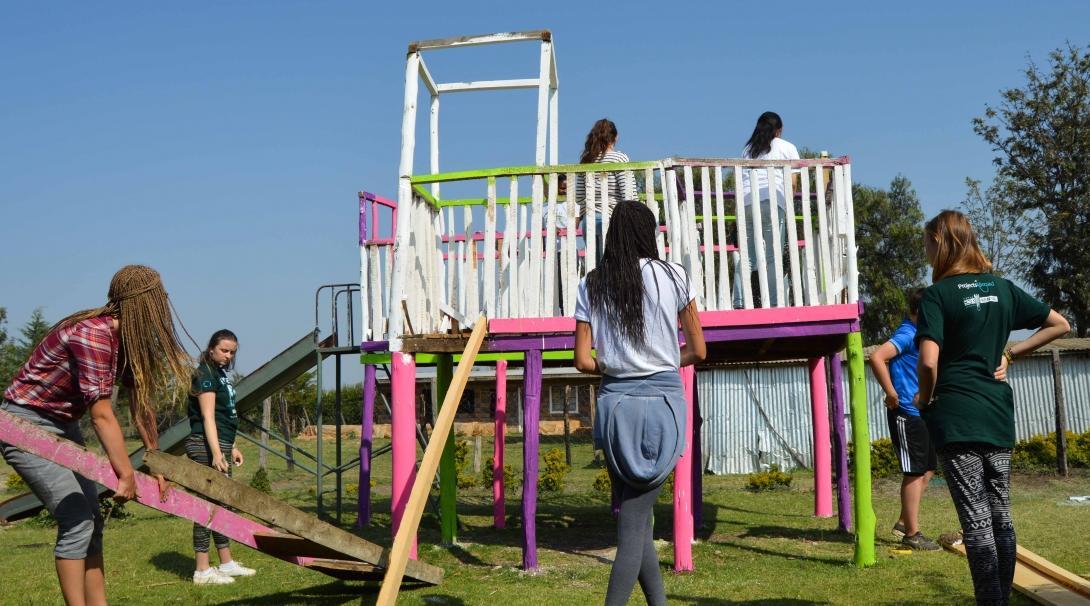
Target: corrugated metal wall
x: 761, y: 414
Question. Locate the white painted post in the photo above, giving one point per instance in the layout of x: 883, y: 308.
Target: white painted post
x: 721, y: 232
x: 649, y: 191
x: 604, y: 205
x: 823, y: 236
x: 853, y: 261
x: 404, y: 199
x: 673, y: 216
x: 490, y: 251
x: 510, y: 242
x: 777, y: 241
x: 691, y: 242
x: 590, y: 183
x: 808, y: 235
x: 758, y: 235
x: 377, y: 287
x: 366, y: 290
x: 571, y: 278
x: 743, y: 238
x: 792, y: 236
x: 711, y: 301
x: 539, y: 297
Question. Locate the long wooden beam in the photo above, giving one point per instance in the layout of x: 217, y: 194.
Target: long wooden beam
x: 207, y: 481
x: 399, y: 553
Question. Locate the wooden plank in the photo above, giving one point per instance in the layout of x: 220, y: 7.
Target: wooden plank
x: 1059, y: 575
x: 570, y: 283
x: 547, y: 277
x: 711, y: 300
x: 283, y: 545
x: 690, y: 243
x: 399, y: 553
x: 777, y: 241
x: 649, y: 190
x: 462, y: 87
x: 345, y: 570
x: 743, y: 240
x: 758, y: 236
x: 476, y: 40
x: 489, y: 251
x: 207, y: 481
x: 808, y: 238
x: 725, y: 294
x: 823, y: 238
x: 792, y: 237
x: 1040, y: 588
x: 590, y: 233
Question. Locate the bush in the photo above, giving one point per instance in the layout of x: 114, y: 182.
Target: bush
x: 44, y: 519
x: 602, y: 483
x: 461, y: 464
x: 1038, y: 453
x: 112, y: 510
x: 260, y: 481
x: 16, y: 482
x: 667, y: 494
x: 771, y: 479
x: 883, y: 459
x: 556, y: 467
x: 1078, y: 450
x: 511, y: 480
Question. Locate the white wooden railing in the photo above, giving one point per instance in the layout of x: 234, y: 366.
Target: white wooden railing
x: 517, y: 260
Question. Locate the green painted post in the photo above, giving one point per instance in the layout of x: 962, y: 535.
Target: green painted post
x: 864, y: 510
x: 448, y: 471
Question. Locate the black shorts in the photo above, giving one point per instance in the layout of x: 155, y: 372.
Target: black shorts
x: 911, y: 442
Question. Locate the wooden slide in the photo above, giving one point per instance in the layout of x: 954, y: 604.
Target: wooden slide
x: 1042, y: 581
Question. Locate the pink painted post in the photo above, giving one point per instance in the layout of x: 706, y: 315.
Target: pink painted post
x: 823, y: 471
x: 403, y: 437
x: 499, y: 514
x: 683, y: 482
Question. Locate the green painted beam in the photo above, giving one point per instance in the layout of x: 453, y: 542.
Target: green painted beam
x: 425, y: 359
x: 864, y: 510
x: 513, y: 171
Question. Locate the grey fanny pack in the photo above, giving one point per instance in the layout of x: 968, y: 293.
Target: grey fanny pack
x: 639, y: 424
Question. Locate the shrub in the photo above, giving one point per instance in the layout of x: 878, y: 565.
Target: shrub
x: 667, y: 494
x: 44, y: 519
x: 16, y: 482
x: 556, y: 467
x: 511, y: 480
x: 112, y: 510
x: 602, y: 483
x: 260, y: 481
x: 352, y: 490
x: 1078, y: 450
x: 1038, y: 453
x: 770, y: 479
x: 883, y: 459
x: 461, y: 464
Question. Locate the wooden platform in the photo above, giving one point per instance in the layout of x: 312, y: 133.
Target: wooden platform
x: 1042, y: 581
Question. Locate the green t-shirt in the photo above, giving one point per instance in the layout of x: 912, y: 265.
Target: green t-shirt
x: 970, y: 317
x: 209, y: 379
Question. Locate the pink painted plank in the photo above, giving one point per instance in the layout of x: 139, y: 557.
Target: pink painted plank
x: 683, y: 482
x: 97, y: 468
x: 778, y: 315
x: 531, y: 325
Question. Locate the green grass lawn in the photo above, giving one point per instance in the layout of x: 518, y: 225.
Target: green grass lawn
x: 762, y: 548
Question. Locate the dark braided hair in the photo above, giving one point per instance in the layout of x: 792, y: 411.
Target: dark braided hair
x: 616, y: 289
x: 760, y: 142
x: 601, y: 136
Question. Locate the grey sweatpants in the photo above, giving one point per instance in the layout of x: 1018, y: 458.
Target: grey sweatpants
x: 70, y: 497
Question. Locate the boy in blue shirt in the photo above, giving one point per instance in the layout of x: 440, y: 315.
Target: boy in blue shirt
x: 894, y: 366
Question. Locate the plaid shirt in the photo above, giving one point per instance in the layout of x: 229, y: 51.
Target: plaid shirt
x: 71, y: 368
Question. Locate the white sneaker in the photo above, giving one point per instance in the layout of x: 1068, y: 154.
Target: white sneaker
x: 210, y: 576
x: 235, y: 568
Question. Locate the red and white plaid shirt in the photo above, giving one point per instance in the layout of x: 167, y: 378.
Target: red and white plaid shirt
x: 71, y: 368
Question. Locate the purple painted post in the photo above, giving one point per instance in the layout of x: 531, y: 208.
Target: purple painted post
x: 366, y: 431
x: 531, y: 414
x: 698, y: 460
x: 499, y: 441
x: 840, y: 445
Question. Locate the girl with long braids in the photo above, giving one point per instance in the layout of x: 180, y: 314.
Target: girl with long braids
x: 628, y: 309
x: 213, y: 423
x: 965, y: 319
x: 598, y: 149
x: 131, y: 341
x: 764, y: 144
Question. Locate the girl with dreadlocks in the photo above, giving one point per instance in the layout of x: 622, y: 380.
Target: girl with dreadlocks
x: 130, y: 340
x: 628, y: 309
x: 213, y: 423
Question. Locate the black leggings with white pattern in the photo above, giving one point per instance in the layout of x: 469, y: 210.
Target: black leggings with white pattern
x: 979, y: 479
x: 196, y: 447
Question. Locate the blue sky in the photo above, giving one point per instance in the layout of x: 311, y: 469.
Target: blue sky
x: 223, y: 143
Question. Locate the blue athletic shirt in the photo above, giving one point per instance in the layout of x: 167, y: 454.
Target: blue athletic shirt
x: 902, y: 368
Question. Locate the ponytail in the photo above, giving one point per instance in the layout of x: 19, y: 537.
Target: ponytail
x: 760, y: 142
x: 601, y: 136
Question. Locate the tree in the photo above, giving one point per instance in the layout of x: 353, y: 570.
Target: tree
x: 889, y: 236
x: 9, y: 362
x: 35, y: 329
x: 1001, y: 227
x: 1041, y: 136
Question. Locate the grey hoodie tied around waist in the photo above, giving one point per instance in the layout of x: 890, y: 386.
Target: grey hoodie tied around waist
x: 640, y: 425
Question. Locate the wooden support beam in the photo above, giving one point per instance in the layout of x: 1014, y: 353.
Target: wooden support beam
x: 410, y: 521
x: 205, y: 480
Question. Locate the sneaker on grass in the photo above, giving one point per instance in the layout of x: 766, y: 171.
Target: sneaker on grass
x: 919, y: 542
x: 898, y: 530
x: 235, y: 569
x: 210, y: 576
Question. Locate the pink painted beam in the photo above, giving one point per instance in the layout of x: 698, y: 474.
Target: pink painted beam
x: 97, y: 468
x: 778, y: 315
x: 499, y: 514
x: 683, y: 482
x: 531, y: 325
x: 823, y: 471
x: 402, y: 437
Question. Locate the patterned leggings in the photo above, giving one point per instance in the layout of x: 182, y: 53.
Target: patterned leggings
x: 196, y: 447
x: 979, y: 480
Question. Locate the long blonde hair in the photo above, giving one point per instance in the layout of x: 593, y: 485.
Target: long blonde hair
x: 955, y: 247
x: 150, y: 347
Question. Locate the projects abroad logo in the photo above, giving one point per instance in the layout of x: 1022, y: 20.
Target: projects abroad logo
x: 985, y: 286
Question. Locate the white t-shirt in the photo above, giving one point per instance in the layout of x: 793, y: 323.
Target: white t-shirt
x: 663, y: 300
x: 780, y: 150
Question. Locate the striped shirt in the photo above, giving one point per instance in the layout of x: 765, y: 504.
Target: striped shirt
x: 72, y: 368
x: 622, y: 184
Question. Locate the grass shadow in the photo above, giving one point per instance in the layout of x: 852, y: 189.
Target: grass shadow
x: 334, y: 592
x: 699, y: 601
x: 173, y: 562
x: 804, y: 534
x: 839, y: 562
x: 764, y: 513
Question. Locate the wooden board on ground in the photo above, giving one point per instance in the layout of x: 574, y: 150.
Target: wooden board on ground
x: 410, y: 521
x: 346, y: 571
x: 284, y: 545
x: 1039, y: 584
x: 209, y: 482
